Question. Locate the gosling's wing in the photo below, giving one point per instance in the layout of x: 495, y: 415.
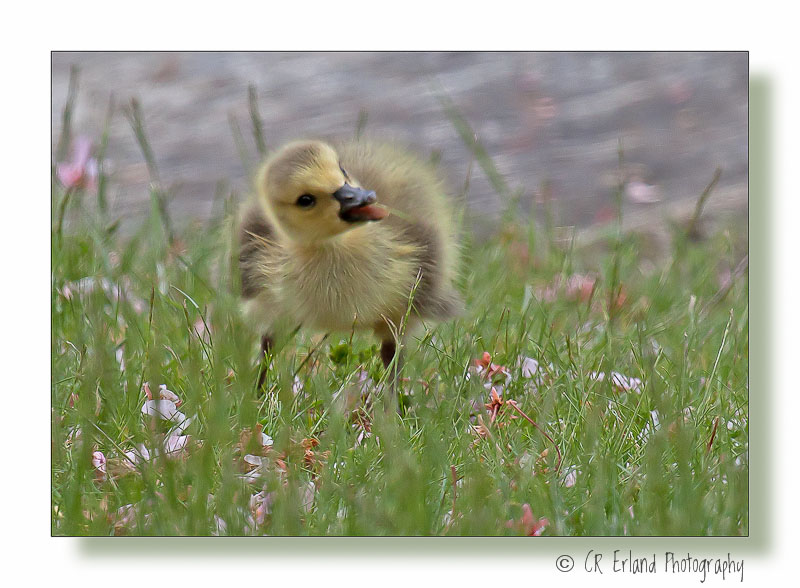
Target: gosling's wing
x: 421, y: 216
x: 255, y: 237
x: 435, y: 296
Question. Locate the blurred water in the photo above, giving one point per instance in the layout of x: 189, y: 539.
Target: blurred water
x: 543, y: 117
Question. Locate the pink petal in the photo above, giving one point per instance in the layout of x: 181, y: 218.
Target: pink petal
x: 642, y: 193
x: 99, y: 464
x: 81, y: 149
x: 69, y: 175
x: 175, y: 443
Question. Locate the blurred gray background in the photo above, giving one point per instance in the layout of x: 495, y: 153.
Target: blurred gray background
x: 544, y: 118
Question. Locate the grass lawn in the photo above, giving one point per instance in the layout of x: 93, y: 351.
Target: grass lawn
x: 589, y: 389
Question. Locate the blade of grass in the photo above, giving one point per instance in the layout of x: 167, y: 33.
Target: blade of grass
x: 255, y: 119
x: 691, y: 229
x: 238, y: 139
x: 102, y: 178
x: 470, y: 139
x: 361, y: 124
x: 136, y: 120
x: 65, y: 138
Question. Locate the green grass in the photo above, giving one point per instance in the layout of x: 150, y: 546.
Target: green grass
x: 667, y: 457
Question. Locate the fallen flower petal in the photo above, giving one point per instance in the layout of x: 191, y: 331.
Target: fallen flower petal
x: 165, y: 394
x: 254, y: 441
x: 254, y: 460
x: 99, y: 465
x: 528, y: 525
x: 480, y: 430
x: 531, y: 370
x: 123, y: 518
x: 220, y: 526
x: 489, y: 370
x: 620, y: 381
x: 182, y: 423
x: 495, y: 403
x: 530, y: 367
x: 120, y: 355
x: 114, y: 291
x: 253, y: 476
x: 297, y: 386
x: 138, y: 454
x: 175, y: 444
x: 309, y: 494
x: 261, y: 506
x: 73, y: 435
x: 532, y: 526
x: 164, y: 409
x: 570, y: 477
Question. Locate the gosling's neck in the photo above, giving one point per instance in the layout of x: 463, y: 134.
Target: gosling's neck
x: 353, y: 243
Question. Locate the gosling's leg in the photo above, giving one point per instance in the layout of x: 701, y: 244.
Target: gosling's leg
x: 388, y: 351
x: 267, y: 344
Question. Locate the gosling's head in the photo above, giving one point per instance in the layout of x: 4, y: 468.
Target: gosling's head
x: 310, y: 196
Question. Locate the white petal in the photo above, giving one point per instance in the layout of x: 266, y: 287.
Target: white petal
x: 253, y: 459
x: 625, y: 382
x: 120, y: 355
x: 175, y: 443
x: 138, y: 454
x: 621, y: 381
x: 221, y: 526
x: 654, y: 416
x: 530, y: 367
x: 571, y: 477
x: 297, y: 386
x: 308, y: 496
x: 164, y: 409
x: 182, y: 423
x: 252, y: 476
x: 125, y: 515
x: 165, y: 394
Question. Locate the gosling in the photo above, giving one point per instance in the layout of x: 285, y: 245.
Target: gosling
x: 337, y: 238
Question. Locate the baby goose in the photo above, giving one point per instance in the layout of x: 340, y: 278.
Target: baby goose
x: 336, y: 237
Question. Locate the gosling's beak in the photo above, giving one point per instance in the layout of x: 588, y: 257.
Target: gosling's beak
x: 356, y: 204
x: 352, y: 197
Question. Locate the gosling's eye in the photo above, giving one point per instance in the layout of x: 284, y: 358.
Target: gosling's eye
x: 344, y: 173
x: 306, y: 201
